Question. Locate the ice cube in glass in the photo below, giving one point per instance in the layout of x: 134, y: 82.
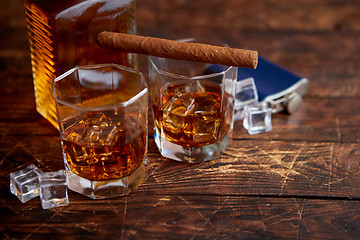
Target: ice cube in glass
x: 178, y: 107
x: 257, y: 118
x: 24, y: 183
x: 53, y: 189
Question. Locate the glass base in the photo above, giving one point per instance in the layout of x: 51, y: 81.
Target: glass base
x: 191, y: 155
x: 106, y: 188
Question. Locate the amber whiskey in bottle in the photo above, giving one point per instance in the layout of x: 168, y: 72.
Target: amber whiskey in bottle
x: 62, y: 35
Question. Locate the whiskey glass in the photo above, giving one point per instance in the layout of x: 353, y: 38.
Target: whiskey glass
x: 192, y: 110
x: 102, y: 113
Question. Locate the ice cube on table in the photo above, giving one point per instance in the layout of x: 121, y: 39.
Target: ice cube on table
x: 24, y: 183
x: 246, y: 94
x: 257, y: 118
x: 53, y: 189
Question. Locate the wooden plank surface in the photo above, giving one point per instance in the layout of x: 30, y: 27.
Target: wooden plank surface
x: 299, y: 181
x: 188, y: 217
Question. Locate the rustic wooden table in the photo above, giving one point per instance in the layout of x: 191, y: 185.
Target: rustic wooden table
x: 301, y: 180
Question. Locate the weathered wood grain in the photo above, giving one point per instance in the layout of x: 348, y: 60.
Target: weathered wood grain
x: 266, y: 168
x: 179, y: 216
x: 249, y: 168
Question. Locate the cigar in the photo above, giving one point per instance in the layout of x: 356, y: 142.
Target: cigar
x: 178, y: 50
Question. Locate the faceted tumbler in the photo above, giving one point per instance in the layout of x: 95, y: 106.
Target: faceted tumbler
x: 102, y: 114
x: 192, y: 110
